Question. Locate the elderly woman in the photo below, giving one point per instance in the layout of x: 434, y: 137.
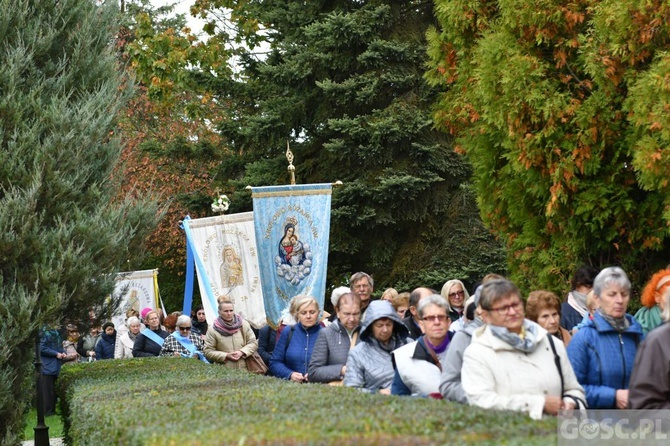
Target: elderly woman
x: 649, y: 316
x: 369, y: 365
x: 418, y: 365
x: 602, y: 353
x: 454, y: 292
x: 650, y: 381
x: 544, y: 307
x: 329, y: 358
x: 513, y: 363
x: 150, y: 340
x: 183, y: 342
x: 230, y: 339
x: 126, y: 341
x: 293, y: 351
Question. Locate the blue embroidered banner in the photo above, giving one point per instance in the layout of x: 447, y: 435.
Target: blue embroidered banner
x: 292, y: 225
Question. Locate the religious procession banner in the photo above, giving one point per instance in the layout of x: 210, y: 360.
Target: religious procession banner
x: 292, y: 234
x: 138, y: 290
x: 223, y: 250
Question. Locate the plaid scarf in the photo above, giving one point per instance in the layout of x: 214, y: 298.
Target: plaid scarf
x: 227, y: 329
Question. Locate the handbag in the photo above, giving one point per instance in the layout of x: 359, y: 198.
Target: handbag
x: 255, y: 364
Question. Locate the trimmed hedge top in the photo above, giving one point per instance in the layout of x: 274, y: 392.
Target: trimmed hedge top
x: 172, y: 401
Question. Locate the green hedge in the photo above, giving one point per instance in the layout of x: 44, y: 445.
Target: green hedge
x: 172, y: 401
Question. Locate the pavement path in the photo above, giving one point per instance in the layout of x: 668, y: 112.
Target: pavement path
x: 52, y: 442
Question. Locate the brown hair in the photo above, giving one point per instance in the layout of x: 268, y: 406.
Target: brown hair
x: 170, y: 322
x: 401, y: 301
x: 540, y: 300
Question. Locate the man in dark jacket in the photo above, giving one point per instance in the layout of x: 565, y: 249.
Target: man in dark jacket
x: 52, y: 354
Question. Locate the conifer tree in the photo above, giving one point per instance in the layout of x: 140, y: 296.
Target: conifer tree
x: 562, y: 110
x: 343, y: 84
x: 62, y: 233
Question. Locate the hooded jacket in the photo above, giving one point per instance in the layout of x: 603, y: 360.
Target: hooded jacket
x: 369, y: 365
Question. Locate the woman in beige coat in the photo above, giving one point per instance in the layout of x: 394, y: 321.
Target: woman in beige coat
x: 514, y: 364
x: 230, y: 339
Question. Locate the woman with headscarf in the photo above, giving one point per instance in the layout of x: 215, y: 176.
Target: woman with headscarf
x: 602, y: 353
x: 513, y: 363
x: 370, y: 365
x: 293, y: 351
x: 230, y: 339
x: 125, y: 342
x: 649, y: 316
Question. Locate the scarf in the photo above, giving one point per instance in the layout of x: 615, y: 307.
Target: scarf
x: 438, y: 349
x: 526, y: 342
x: 577, y: 301
x: 225, y: 328
x: 620, y: 324
x: 388, y: 347
x: 188, y: 345
x: 131, y: 335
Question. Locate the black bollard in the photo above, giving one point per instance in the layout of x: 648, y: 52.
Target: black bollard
x: 41, y: 429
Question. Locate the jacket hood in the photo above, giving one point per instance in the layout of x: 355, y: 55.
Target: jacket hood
x: 380, y: 309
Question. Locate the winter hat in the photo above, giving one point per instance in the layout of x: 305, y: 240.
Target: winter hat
x: 107, y: 324
x: 145, y: 311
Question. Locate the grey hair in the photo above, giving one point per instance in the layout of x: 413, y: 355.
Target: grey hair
x: 337, y: 293
x: 495, y: 290
x: 132, y: 320
x: 608, y: 276
x: 361, y: 275
x: 183, y: 319
x: 433, y: 299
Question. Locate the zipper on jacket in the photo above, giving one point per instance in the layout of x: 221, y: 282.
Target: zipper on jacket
x: 623, y: 362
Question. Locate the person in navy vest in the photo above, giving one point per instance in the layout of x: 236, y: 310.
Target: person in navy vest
x: 150, y: 340
x: 293, y: 351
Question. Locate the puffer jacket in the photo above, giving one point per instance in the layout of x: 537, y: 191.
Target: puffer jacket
x: 451, y: 387
x: 369, y: 365
x: 293, y: 355
x: 330, y: 353
x: 603, y: 359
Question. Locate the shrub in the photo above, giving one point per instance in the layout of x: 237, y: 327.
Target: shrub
x: 167, y: 401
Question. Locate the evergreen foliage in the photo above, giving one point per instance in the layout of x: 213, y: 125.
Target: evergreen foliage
x: 62, y: 233
x: 562, y: 111
x: 343, y: 83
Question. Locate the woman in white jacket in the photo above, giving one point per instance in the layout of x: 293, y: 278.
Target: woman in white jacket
x: 513, y: 363
x: 125, y: 342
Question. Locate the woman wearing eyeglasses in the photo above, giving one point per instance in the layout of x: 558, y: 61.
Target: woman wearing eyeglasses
x: 454, y: 292
x: 230, y: 339
x: 513, y: 363
x: 418, y: 365
x: 183, y: 342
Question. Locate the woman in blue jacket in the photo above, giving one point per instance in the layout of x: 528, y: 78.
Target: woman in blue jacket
x: 602, y: 353
x: 291, y: 356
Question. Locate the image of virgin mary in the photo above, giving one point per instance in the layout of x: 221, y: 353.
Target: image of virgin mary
x: 291, y: 250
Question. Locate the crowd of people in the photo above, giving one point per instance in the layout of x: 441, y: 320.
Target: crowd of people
x: 491, y: 348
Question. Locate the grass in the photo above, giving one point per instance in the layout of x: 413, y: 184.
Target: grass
x: 54, y: 422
